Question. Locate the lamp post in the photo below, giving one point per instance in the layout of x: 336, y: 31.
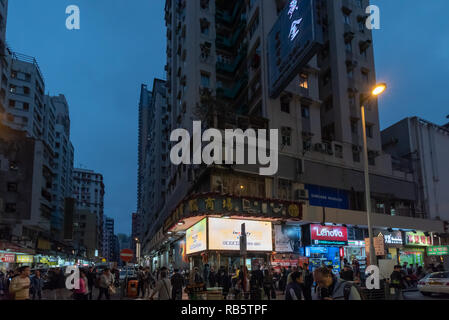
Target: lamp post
x: 137, y: 250
x: 377, y: 91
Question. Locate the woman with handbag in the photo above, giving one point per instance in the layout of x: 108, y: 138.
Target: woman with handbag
x: 106, y: 285
x: 163, y: 288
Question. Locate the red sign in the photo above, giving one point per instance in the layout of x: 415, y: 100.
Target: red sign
x: 324, y: 234
x: 7, y: 257
x: 127, y: 255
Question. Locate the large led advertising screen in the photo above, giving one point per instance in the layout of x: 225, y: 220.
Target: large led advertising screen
x: 196, y: 237
x: 293, y: 41
x: 225, y: 234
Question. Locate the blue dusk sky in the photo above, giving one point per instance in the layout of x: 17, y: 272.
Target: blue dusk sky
x: 121, y: 44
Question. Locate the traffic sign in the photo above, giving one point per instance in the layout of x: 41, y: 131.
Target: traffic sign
x: 126, y: 255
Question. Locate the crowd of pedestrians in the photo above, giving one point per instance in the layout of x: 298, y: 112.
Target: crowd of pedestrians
x: 262, y: 283
x: 23, y: 284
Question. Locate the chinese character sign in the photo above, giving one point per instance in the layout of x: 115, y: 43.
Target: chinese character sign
x: 418, y: 239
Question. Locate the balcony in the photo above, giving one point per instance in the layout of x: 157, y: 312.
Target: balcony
x: 226, y: 42
x: 232, y: 67
x: 233, y: 92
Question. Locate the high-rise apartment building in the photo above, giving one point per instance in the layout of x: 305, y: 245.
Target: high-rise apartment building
x: 155, y: 157
x: 63, y: 161
x: 219, y: 57
x: 108, y: 239
x: 88, y: 191
x: 4, y: 64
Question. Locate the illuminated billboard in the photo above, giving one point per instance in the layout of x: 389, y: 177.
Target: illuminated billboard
x: 225, y: 234
x: 293, y: 41
x: 196, y: 238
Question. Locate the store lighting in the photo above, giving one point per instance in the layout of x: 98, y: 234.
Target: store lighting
x: 180, y: 223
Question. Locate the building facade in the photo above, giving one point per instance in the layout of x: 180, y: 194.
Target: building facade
x: 422, y: 148
x: 63, y: 162
x: 219, y: 60
x: 109, y: 241
x: 88, y: 191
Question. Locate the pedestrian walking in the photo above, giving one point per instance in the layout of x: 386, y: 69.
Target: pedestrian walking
x: 268, y: 285
x: 212, y: 279
x: 163, y: 288
x: 106, y: 284
x: 177, y: 283
x: 81, y: 292
x: 58, y: 284
x: 293, y: 290
x: 37, y: 285
x: 91, y: 280
x: 347, y: 274
x: 308, y: 283
x: 329, y: 287
x: 20, y: 285
x: 396, y: 282
x: 141, y: 283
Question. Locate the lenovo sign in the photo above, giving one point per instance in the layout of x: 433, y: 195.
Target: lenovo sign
x: 330, y: 235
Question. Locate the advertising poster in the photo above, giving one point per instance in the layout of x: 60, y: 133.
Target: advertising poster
x: 287, y: 238
x: 196, y: 238
x: 328, y: 235
x: 181, y: 259
x: 225, y: 234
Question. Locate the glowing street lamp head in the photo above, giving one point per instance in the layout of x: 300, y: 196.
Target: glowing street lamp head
x: 379, y: 89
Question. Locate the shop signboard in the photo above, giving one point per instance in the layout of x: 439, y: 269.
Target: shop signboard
x: 7, y: 257
x: 22, y: 258
x: 225, y: 234
x: 392, y: 239
x: 196, y: 237
x: 327, y: 197
x: 417, y: 239
x: 287, y: 238
x: 356, y: 243
x: 438, y: 251
x: 379, y: 246
x: 328, y: 235
x: 213, y: 204
x: 292, y: 42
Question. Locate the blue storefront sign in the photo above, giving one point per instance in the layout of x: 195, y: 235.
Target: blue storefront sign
x: 327, y: 197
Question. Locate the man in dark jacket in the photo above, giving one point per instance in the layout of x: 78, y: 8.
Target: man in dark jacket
x: 91, y: 279
x: 308, y: 283
x: 177, y: 283
x: 293, y: 290
x: 347, y: 274
x: 396, y: 282
x: 37, y: 285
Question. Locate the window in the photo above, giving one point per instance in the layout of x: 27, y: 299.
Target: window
x: 326, y: 78
x: 12, y: 103
x: 10, y: 208
x: 12, y: 187
x: 286, y: 136
x: 304, y: 80
x: 205, y: 80
x: 26, y: 106
x: 285, y: 105
x: 371, y: 158
x: 348, y: 46
x: 369, y: 130
x: 354, y: 126
x: 362, y: 26
x: 346, y: 18
x: 365, y: 76
x: 339, y: 151
x: 355, y: 154
x: 305, y: 112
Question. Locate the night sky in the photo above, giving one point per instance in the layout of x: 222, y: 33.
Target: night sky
x: 122, y: 44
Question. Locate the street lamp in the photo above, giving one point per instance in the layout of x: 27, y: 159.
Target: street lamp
x: 137, y: 250
x: 377, y: 91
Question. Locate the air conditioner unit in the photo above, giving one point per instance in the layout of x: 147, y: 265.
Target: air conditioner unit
x: 301, y: 194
